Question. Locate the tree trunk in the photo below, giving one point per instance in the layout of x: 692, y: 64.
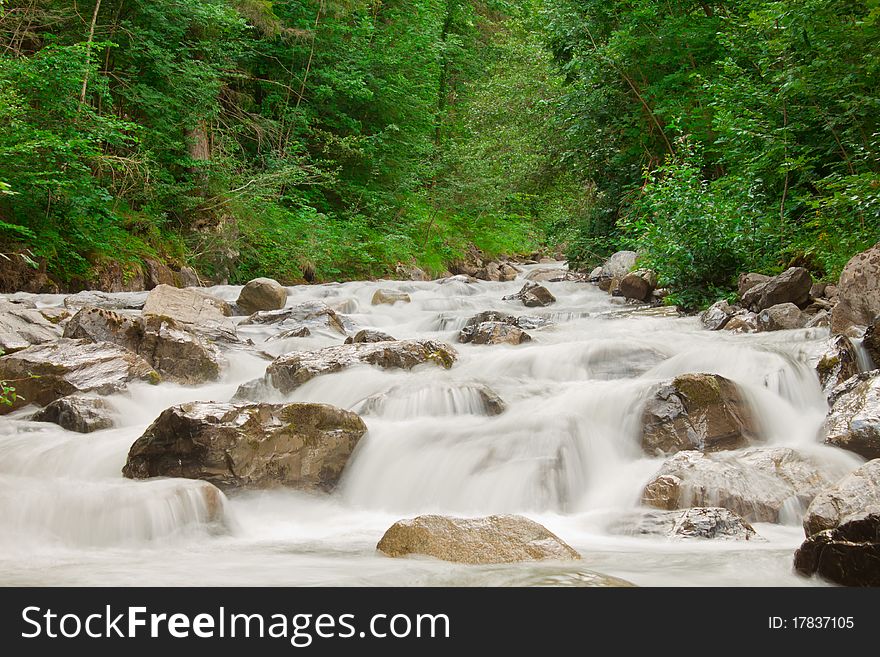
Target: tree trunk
x: 82, y: 95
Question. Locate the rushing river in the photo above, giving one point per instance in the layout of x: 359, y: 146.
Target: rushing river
x: 565, y: 452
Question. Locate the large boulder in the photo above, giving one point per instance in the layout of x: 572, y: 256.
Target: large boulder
x: 747, y: 281
x: 312, y: 315
x: 717, y: 315
x: 369, y: 336
x: 262, y: 294
x: 22, y: 327
x: 116, y: 301
x: 389, y: 297
x: 636, y: 287
x: 532, y: 295
x: 80, y: 413
x: 853, y: 422
x: 156, y: 273
x: 304, y: 446
x: 858, y: 293
x: 871, y: 342
x: 619, y: 264
x: 176, y: 353
x: 493, y: 539
x: 781, y: 317
x: 858, y: 491
x: 837, y: 364
x: 848, y: 554
x: 289, y: 371
x: 791, y: 286
x: 44, y: 373
x: 695, y: 523
x: 756, y: 483
x: 195, y: 309
x: 494, y: 333
x: 704, y: 412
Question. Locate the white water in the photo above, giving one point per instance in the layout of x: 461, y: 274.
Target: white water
x: 565, y: 452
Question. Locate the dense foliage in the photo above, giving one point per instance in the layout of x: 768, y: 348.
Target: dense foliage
x: 339, y: 137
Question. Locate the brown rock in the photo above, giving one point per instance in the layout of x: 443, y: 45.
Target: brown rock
x: 717, y: 315
x: 532, y: 295
x: 633, y: 286
x: 389, y: 297
x: 494, y: 333
x: 262, y: 294
x: 858, y: 293
x: 748, y: 281
x: 781, y: 317
x: 847, y: 555
x: 79, y: 413
x: 368, y: 335
x: 871, y: 342
x: 791, y: 286
x: 155, y: 274
x: 837, y: 364
x: 858, y: 491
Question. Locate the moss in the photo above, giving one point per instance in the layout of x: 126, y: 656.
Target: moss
x: 699, y: 389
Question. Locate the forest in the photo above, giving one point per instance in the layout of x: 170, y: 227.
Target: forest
x: 332, y: 139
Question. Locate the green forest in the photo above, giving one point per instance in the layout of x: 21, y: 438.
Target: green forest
x: 332, y: 139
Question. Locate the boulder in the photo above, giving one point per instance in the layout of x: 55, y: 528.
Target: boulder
x: 304, y: 446
x: 289, y: 371
x: 848, y: 554
x: 554, y: 275
x: 507, y: 272
x: 532, y: 295
x: 743, y: 321
x: 194, y: 309
x: 117, y: 301
x: 635, y: 286
x: 494, y: 333
x: 705, y: 412
x: 818, y: 290
x: 695, y: 523
x: 44, y: 373
x: 155, y: 274
x: 781, y: 317
x: 853, y: 422
x: 262, y: 294
x: 368, y: 335
x: 858, y: 293
x: 756, y: 483
x: 22, y: 327
x: 619, y: 264
x: 858, y: 491
x: 821, y: 319
x: 102, y: 325
x: 313, y: 315
x: 717, y: 315
x: 871, y: 342
x: 747, y: 281
x: 791, y: 286
x: 410, y: 273
x: 189, y: 277
x: 493, y: 539
x: 80, y: 413
x: 389, y: 297
x: 837, y: 364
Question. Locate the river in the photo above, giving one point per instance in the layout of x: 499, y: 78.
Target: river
x: 565, y: 453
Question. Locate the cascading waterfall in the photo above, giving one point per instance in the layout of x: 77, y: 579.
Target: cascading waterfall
x: 565, y: 451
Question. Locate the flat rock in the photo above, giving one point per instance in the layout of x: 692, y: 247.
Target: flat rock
x: 114, y: 301
x: 22, y: 327
x: 494, y: 333
x: 313, y: 315
x: 369, y: 336
x: 197, y: 310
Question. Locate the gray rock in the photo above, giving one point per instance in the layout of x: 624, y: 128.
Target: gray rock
x: 853, y: 422
x: 494, y: 333
x: 410, y: 273
x: 717, y: 315
x: 742, y: 322
x: 22, y: 327
x: 369, y: 335
x: 704, y: 412
x: 619, y: 264
x: 848, y: 554
x: 858, y: 293
x: 156, y: 273
x: 262, y: 294
x: 857, y: 492
x: 695, y: 523
x: 493, y: 539
x: 189, y: 277
x: 871, y: 342
x: 48, y: 372
x: 532, y: 295
x: 791, y: 286
x: 304, y: 446
x: 313, y: 315
x: 748, y: 281
x: 80, y: 413
x: 102, y: 325
x: 755, y: 483
x: 195, y: 309
x: 116, y: 301
x: 781, y: 317
x: 837, y: 364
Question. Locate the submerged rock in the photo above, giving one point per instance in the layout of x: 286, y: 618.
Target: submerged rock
x: 494, y: 333
x: 493, y: 539
x: 303, y: 446
x: 454, y: 400
x: 756, y: 483
x: 791, y: 286
x: 853, y: 422
x: 48, y: 372
x: 389, y: 297
x: 696, y: 523
x: 80, y: 413
x: 311, y: 315
x: 532, y: 295
x: 22, y: 327
x: 286, y: 373
x: 705, y: 412
x: 858, y: 293
x: 858, y: 491
x: 262, y: 294
x: 849, y: 554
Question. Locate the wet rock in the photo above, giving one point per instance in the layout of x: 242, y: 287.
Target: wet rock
x: 756, y: 483
x: 848, y: 554
x: 473, y: 398
x: 67, y: 367
x: 298, y: 332
x: 717, y: 315
x: 262, y: 294
x: 747, y: 281
x: 858, y: 491
x: 636, y: 287
x: 791, y: 286
x: 853, y: 422
x: 619, y: 264
x: 80, y: 413
x: 194, y: 309
x: 532, y: 295
x: 286, y: 373
x: 858, y: 293
x: 313, y: 315
x: 871, y: 342
x: 705, y: 412
x: 22, y: 327
x: 507, y: 272
x: 103, y: 325
x: 494, y: 333
x: 471, y: 328
x: 458, y: 278
x: 781, y: 317
x: 820, y: 319
x: 555, y: 275
x: 696, y: 523
x: 742, y: 322
x: 155, y: 274
x: 837, y: 364
x: 117, y: 301
x: 493, y: 539
x: 389, y: 297
x: 304, y: 446
x: 369, y: 336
